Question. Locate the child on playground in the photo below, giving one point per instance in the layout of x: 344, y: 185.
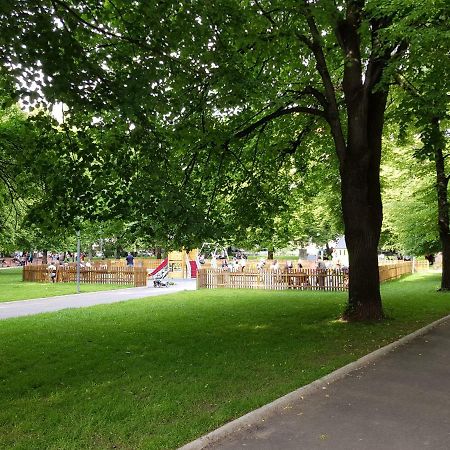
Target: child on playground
x: 52, y: 272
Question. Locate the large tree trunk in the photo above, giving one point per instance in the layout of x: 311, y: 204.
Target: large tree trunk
x: 361, y: 201
x: 362, y: 219
x: 359, y: 154
x: 443, y: 207
x: 445, y: 280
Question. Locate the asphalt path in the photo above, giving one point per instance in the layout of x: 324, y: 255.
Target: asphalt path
x: 42, y: 305
x: 400, y: 401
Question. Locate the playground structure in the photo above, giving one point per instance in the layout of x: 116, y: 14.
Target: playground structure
x: 178, y: 264
x: 181, y: 264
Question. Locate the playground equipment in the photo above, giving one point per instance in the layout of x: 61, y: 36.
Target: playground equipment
x: 178, y: 264
x: 185, y: 264
x: 212, y: 249
x: 160, y: 280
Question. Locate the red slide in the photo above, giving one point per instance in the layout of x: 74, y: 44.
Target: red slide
x: 160, y: 267
x: 193, y: 265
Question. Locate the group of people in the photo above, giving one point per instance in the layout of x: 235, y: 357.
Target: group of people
x: 239, y: 263
x: 276, y: 266
x: 57, y: 262
x: 235, y: 264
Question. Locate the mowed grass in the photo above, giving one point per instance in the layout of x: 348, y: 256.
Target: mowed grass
x: 157, y: 373
x: 13, y: 288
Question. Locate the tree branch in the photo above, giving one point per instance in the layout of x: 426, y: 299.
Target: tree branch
x: 266, y: 14
x: 110, y: 34
x: 332, y: 112
x: 278, y: 113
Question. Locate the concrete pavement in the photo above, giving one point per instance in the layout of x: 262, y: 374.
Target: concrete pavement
x: 398, y: 400
x: 41, y: 305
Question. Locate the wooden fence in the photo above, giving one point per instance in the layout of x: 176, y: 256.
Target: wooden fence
x: 134, y: 276
x: 397, y: 270
x: 304, y: 279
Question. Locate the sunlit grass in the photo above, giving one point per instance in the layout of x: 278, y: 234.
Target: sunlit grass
x: 156, y: 373
x: 12, y: 287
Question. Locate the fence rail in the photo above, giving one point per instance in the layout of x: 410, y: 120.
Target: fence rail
x: 303, y: 279
x: 393, y: 271
x: 108, y: 263
x: 134, y: 276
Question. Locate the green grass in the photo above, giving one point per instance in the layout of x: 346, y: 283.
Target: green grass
x: 159, y: 372
x: 13, y: 288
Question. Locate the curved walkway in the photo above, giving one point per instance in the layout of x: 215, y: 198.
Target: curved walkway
x: 391, y: 399
x: 41, y: 305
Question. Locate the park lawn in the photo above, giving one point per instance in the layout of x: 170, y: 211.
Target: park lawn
x: 13, y: 288
x: 159, y: 372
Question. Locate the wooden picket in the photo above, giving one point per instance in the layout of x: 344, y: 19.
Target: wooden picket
x: 303, y: 279
x: 134, y: 276
x: 394, y: 271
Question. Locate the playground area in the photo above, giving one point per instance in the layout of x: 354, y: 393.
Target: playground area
x: 143, y: 272
x: 188, y: 265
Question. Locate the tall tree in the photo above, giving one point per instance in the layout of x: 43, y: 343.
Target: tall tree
x: 423, y: 100
x: 227, y: 87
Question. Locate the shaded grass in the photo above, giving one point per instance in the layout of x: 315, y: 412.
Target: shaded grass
x: 13, y: 288
x: 159, y: 372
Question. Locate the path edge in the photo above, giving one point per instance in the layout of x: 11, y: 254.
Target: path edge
x: 253, y: 418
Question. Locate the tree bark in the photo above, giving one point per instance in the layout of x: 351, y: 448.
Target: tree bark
x: 362, y: 220
x: 270, y: 253
x: 362, y: 206
x: 443, y: 207
x: 362, y: 211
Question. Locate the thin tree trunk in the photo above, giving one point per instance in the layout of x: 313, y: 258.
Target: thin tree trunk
x: 443, y: 207
x: 270, y: 253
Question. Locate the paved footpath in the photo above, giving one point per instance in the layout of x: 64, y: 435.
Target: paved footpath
x: 400, y: 401
x: 41, y: 305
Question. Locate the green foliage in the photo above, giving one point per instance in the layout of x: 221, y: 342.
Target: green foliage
x: 198, y: 121
x: 174, y: 90
x: 419, y: 111
x: 409, y: 198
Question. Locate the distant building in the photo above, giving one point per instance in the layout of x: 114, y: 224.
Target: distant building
x: 340, y: 252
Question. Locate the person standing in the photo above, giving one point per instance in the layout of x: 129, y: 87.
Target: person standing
x: 130, y: 260
x: 321, y: 270
x: 243, y: 262
x: 52, y: 272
